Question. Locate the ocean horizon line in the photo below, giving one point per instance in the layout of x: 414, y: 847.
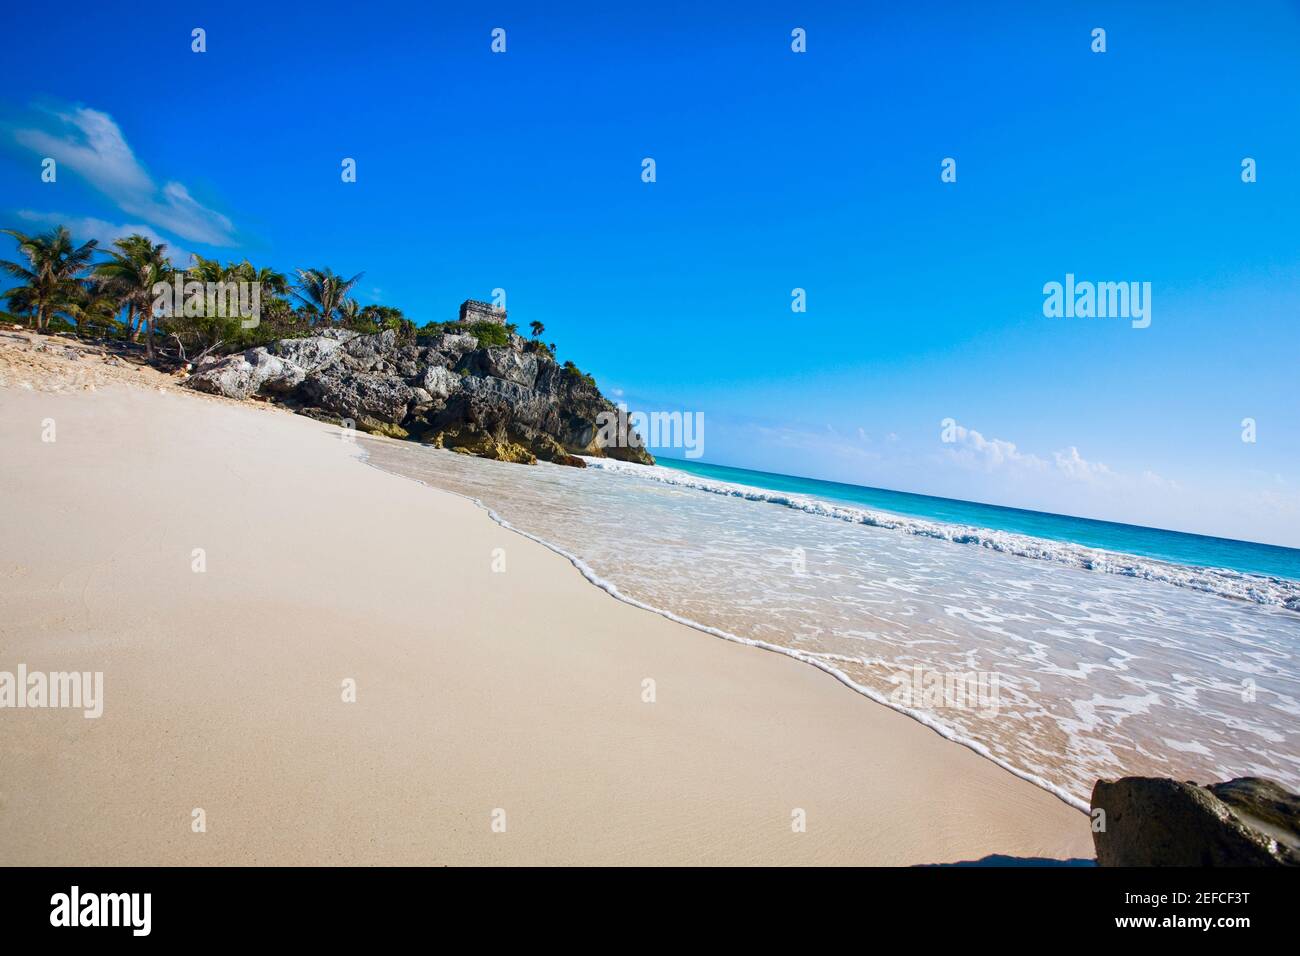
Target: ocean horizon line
x: 682, y: 464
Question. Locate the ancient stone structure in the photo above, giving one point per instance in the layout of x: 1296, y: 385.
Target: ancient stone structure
x: 471, y: 311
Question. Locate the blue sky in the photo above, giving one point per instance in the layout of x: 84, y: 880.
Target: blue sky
x: 775, y: 170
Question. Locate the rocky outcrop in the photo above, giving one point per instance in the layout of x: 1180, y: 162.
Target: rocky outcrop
x: 254, y: 372
x: 310, y: 354
x: 472, y: 442
x: 441, y: 383
x: 504, y: 363
x: 1154, y: 821
x: 353, y: 394
x: 510, y: 402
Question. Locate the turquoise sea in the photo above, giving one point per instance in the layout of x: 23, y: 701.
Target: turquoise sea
x: 1086, y: 649
x: 1173, y: 546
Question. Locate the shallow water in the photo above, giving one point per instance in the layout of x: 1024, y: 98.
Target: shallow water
x: 1222, y: 565
x: 1073, y: 674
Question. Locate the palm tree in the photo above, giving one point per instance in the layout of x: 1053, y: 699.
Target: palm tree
x: 384, y: 316
x: 136, y: 266
x: 537, y: 328
x: 207, y: 270
x: 349, y: 310
x: 323, y: 291
x: 20, y: 300
x: 96, y: 308
x: 50, y: 284
x: 273, y: 283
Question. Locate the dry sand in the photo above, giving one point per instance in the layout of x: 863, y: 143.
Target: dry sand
x: 476, y: 691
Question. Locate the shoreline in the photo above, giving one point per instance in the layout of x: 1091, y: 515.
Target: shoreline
x: 477, y: 690
x: 1265, y: 590
x: 870, y: 693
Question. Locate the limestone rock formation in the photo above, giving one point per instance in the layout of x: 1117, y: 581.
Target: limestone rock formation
x: 511, y: 402
x: 254, y: 372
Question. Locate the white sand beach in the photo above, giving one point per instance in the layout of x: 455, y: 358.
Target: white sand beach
x: 475, y: 691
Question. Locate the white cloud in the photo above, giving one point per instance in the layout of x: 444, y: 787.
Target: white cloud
x: 91, y: 144
x: 88, y: 227
x: 972, y: 449
x: 1073, y: 465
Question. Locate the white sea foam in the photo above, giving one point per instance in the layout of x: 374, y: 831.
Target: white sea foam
x: 1098, y: 674
x: 1259, y: 589
x: 819, y: 661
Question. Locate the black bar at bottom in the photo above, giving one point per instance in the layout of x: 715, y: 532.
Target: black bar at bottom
x: 916, y: 907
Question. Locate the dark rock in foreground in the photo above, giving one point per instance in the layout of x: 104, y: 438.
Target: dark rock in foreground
x: 510, y: 402
x: 1154, y: 821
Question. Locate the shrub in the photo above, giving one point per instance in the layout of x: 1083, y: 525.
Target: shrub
x: 541, y: 348
x: 489, y: 334
x: 102, y: 327
x: 574, y: 372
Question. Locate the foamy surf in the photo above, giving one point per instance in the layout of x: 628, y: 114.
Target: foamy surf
x: 610, y: 588
x: 1098, y: 672
x: 1259, y: 589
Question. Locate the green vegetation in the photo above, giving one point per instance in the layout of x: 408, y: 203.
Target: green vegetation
x: 51, y: 279
x: 488, y: 333
x: 323, y: 292
x: 435, y: 328
x: 61, y: 287
x: 574, y: 372
x: 383, y: 318
x: 540, y: 348
x: 134, y: 267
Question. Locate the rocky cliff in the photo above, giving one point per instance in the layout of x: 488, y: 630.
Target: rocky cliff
x: 511, y: 402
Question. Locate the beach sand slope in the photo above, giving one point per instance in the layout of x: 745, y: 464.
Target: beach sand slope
x: 476, y: 691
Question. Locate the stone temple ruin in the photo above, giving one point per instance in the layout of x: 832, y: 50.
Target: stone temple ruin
x: 471, y: 311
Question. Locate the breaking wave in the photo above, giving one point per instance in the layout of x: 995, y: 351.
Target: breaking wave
x: 1223, y: 582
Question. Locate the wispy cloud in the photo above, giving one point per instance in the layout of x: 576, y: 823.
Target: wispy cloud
x: 88, y: 227
x: 971, y: 449
x: 91, y: 144
x: 1073, y: 465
